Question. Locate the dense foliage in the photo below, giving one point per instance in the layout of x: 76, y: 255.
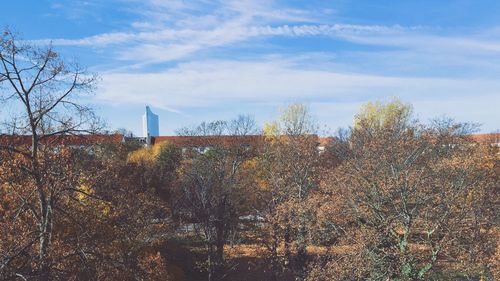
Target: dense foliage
x: 391, y: 198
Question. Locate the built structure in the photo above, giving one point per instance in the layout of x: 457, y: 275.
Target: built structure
x: 150, y: 124
x: 198, y: 143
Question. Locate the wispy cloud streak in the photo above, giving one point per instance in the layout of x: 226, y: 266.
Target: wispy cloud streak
x: 181, y: 55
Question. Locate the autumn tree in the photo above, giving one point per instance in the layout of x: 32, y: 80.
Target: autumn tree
x: 134, y: 214
x: 408, y: 199
x: 42, y: 90
x: 214, y: 180
x: 288, y: 172
x: 158, y: 165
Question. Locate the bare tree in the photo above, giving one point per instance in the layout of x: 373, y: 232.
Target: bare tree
x: 408, y: 197
x: 213, y: 182
x: 44, y: 91
x: 289, y: 168
x: 243, y: 125
x: 214, y: 128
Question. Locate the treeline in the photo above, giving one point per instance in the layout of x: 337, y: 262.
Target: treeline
x: 390, y: 198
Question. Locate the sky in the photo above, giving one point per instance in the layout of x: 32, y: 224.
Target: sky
x: 202, y: 60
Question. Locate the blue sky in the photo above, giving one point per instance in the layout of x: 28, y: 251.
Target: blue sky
x: 203, y: 60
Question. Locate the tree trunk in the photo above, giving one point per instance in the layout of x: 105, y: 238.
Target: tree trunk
x: 274, y: 254
x: 219, y: 243
x: 219, y: 256
x: 287, y: 241
x: 210, y: 262
x: 301, y: 259
x: 45, y: 238
x: 45, y: 225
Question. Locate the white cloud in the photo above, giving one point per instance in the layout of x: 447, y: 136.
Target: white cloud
x: 171, y: 30
x: 428, y: 42
x: 228, y: 32
x: 169, y: 44
x: 181, y: 31
x: 209, y: 84
x: 182, y: 28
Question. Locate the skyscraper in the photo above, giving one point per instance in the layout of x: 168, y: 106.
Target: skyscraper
x: 150, y: 125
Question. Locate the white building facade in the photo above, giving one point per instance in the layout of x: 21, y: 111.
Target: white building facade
x: 150, y: 124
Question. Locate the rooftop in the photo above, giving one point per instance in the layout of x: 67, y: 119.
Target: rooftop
x: 69, y: 140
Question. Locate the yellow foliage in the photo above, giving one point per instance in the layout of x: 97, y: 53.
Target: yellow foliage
x: 85, y: 190
x: 271, y: 129
x: 147, y: 154
x: 250, y: 164
x: 141, y: 155
x: 378, y: 114
x: 106, y: 209
x: 295, y: 119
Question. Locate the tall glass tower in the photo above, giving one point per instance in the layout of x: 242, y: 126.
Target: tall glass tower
x: 150, y: 124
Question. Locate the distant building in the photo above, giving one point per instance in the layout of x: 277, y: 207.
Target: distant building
x: 72, y: 141
x: 187, y: 143
x: 150, y: 124
x: 492, y: 139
